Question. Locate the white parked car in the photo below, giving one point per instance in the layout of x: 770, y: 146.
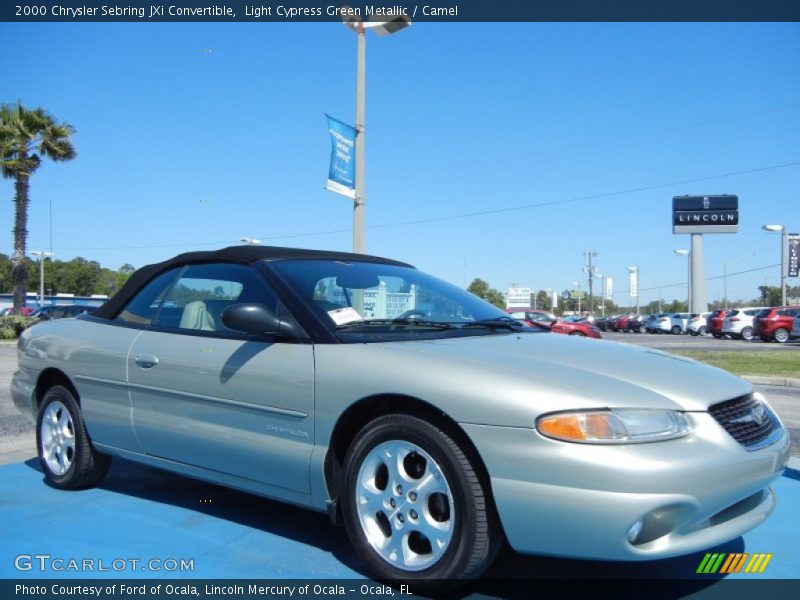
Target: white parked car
x: 671, y: 323
x: 738, y: 323
x: 698, y: 324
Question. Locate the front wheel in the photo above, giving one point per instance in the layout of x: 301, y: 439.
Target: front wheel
x: 68, y: 459
x: 414, y: 507
x: 703, y: 331
x: 676, y: 329
x: 747, y: 333
x: 781, y: 335
x: 578, y: 333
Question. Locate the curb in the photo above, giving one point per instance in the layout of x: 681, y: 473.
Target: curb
x: 780, y: 381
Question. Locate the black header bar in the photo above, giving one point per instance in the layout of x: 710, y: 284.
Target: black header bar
x: 719, y: 202
x: 445, y: 11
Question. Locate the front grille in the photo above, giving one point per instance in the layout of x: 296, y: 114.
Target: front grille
x: 740, y: 418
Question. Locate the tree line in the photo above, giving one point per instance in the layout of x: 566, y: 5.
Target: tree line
x: 78, y: 276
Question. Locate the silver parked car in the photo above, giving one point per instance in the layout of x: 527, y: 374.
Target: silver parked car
x: 428, y: 422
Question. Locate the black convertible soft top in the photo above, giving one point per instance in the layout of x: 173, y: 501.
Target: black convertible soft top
x: 245, y: 254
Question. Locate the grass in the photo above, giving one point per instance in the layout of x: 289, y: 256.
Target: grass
x: 766, y: 363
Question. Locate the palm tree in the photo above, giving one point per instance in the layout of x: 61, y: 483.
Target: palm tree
x: 25, y: 137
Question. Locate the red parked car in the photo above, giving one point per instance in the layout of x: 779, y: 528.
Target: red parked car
x: 577, y: 327
x: 532, y: 317
x: 714, y: 321
x: 775, y: 323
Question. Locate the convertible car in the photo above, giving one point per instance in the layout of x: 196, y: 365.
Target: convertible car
x: 434, y: 427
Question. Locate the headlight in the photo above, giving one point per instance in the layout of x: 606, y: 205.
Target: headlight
x: 619, y: 426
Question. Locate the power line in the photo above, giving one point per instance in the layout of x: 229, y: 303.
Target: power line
x: 481, y: 213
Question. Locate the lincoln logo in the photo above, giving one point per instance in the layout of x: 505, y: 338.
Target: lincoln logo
x: 706, y: 203
x: 757, y: 415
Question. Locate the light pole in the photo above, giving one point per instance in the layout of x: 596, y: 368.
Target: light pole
x: 577, y: 284
x: 784, y: 243
x: 250, y: 241
x: 688, y: 255
x: 381, y: 28
x: 42, y: 254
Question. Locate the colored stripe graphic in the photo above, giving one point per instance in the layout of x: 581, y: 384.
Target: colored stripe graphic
x: 733, y: 563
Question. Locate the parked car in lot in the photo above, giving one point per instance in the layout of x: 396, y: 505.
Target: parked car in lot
x: 715, y: 321
x: 532, y: 317
x: 577, y: 327
x: 738, y: 322
x: 796, y: 328
x: 431, y: 424
x: 775, y: 324
x: 635, y: 324
x: 674, y: 323
x: 698, y: 324
x: 25, y: 311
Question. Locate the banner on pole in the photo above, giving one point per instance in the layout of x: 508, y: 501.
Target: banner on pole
x: 633, y: 284
x: 609, y: 288
x: 342, y: 171
x: 793, y: 266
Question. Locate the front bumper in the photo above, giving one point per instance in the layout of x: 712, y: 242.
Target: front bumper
x: 580, y: 501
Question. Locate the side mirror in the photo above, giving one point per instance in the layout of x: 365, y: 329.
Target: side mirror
x: 255, y: 318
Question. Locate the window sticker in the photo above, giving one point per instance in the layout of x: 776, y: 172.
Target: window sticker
x: 342, y: 316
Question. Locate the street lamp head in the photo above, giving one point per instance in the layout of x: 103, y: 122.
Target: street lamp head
x: 772, y: 227
x: 682, y: 252
x: 352, y: 20
x: 250, y: 241
x: 632, y: 269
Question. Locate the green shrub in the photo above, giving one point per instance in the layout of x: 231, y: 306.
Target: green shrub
x: 14, y: 324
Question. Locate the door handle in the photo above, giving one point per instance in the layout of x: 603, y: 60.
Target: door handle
x: 146, y: 361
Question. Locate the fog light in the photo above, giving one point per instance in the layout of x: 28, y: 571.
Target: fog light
x: 635, y: 530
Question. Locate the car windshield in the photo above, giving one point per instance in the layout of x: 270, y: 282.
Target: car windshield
x: 378, y: 299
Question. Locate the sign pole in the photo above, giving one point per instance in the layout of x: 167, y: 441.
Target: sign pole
x: 698, y: 302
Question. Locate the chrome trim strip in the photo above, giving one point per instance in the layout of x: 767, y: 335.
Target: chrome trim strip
x: 237, y: 403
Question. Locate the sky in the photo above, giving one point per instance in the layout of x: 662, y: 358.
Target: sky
x: 500, y: 151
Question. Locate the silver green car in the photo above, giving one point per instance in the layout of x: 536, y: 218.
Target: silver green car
x: 425, y: 420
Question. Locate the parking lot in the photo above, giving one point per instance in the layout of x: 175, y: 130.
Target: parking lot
x: 143, y: 513
x: 668, y: 341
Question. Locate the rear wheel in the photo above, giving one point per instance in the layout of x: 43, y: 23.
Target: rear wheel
x: 781, y: 335
x: 414, y: 506
x: 717, y: 335
x: 676, y: 329
x: 702, y: 331
x: 68, y: 459
x: 747, y: 333
x: 578, y: 333
x: 642, y: 329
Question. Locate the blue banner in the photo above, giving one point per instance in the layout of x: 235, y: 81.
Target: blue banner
x: 342, y: 172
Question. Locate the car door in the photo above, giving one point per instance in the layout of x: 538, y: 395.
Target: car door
x: 207, y: 396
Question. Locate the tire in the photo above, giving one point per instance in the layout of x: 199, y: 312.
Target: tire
x: 68, y: 458
x: 642, y: 329
x: 703, y: 331
x: 781, y: 335
x: 578, y: 333
x: 717, y: 335
x: 747, y: 334
x: 457, y: 511
x: 676, y: 329
x: 693, y: 333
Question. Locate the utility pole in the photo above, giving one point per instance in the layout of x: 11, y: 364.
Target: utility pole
x: 590, y: 270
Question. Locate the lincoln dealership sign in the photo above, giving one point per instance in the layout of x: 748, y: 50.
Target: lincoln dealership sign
x: 705, y: 214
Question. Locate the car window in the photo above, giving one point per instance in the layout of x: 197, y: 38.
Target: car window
x: 202, y: 292
x: 142, y: 308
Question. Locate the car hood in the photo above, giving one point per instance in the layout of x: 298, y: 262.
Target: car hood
x: 603, y: 372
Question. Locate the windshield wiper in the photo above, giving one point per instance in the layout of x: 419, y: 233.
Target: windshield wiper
x: 397, y: 321
x: 511, y: 324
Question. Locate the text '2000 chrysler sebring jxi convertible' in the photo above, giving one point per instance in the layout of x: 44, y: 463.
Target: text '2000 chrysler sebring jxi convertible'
x: 429, y: 423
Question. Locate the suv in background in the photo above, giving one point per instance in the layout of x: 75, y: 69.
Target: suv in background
x: 61, y: 311
x: 698, y: 324
x: 775, y: 323
x: 738, y: 323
